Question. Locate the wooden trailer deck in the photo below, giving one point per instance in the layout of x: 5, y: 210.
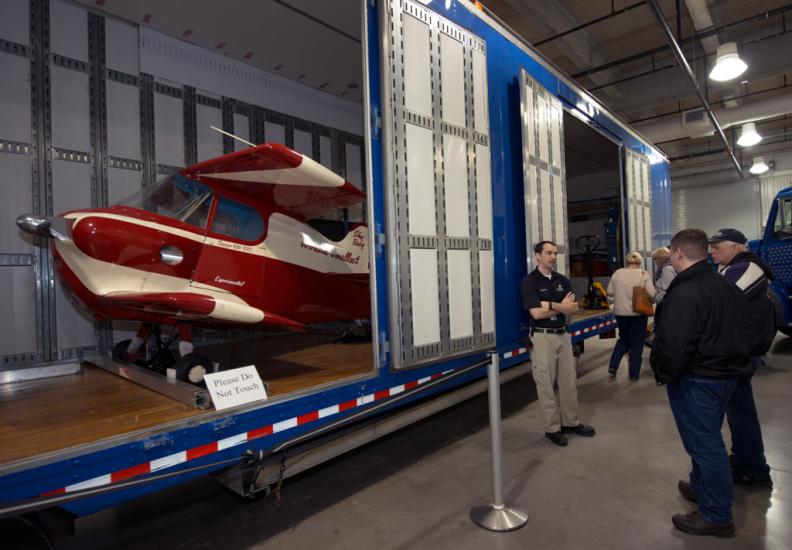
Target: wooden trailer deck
x: 44, y: 416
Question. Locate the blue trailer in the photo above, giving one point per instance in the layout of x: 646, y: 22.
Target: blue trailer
x: 775, y: 248
x: 451, y: 96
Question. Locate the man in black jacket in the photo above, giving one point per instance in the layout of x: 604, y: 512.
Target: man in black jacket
x: 702, y: 346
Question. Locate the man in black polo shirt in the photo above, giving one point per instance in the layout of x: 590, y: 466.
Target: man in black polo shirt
x: 547, y: 296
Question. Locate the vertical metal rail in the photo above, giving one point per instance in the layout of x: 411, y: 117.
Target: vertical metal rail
x: 99, y: 159
x: 497, y: 516
x: 42, y: 172
x: 658, y: 12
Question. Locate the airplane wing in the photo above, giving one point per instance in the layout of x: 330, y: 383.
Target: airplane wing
x: 187, y: 306
x: 279, y: 178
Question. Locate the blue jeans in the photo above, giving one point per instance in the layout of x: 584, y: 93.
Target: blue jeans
x: 699, y: 404
x: 632, y: 333
x: 746, y: 433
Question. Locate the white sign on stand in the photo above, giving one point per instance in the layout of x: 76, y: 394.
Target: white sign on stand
x: 235, y: 387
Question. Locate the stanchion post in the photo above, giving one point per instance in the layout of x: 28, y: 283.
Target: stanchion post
x: 497, y: 516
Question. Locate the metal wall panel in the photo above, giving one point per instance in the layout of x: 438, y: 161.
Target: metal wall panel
x: 452, y: 79
x: 274, y: 133
x: 460, y: 289
x: 704, y: 207
x: 123, y: 50
x: 68, y: 30
x: 122, y: 183
x: 71, y: 185
x: 456, y: 186
x: 417, y: 74
x: 123, y: 121
x: 480, y: 107
x: 16, y: 188
x: 354, y: 165
x: 425, y: 297
x: 15, y: 22
x: 75, y: 325
x: 15, y: 98
x: 420, y: 181
x: 70, y: 110
x: 210, y: 142
x: 17, y: 293
x: 483, y: 192
x: 242, y: 130
x: 487, y: 290
x: 303, y: 143
x: 326, y: 151
x: 168, y: 130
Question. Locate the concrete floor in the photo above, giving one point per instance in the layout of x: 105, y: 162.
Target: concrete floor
x: 414, y: 489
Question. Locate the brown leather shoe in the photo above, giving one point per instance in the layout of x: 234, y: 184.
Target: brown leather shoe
x: 694, y: 524
x: 687, y: 491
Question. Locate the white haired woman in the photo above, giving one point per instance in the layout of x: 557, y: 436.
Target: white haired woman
x: 632, y: 325
x: 664, y: 271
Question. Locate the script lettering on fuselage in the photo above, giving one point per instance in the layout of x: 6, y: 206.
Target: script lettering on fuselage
x: 219, y: 279
x: 335, y: 253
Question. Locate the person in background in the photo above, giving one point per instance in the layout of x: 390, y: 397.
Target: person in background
x: 703, y: 346
x: 664, y: 271
x: 548, y: 298
x: 752, y: 276
x: 632, y: 325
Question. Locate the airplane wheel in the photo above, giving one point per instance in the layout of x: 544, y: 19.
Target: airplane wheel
x: 119, y: 349
x: 192, y: 367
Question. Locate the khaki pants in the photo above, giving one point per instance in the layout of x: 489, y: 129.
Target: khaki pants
x: 552, y: 361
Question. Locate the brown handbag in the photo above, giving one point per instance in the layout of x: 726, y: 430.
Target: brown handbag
x: 641, y: 301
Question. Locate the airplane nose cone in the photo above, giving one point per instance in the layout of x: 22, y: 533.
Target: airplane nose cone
x: 34, y: 224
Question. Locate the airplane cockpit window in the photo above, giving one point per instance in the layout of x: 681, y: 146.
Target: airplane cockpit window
x: 237, y: 220
x: 175, y: 197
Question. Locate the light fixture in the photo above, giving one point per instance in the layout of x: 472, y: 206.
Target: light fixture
x: 748, y: 135
x: 759, y: 166
x: 728, y: 64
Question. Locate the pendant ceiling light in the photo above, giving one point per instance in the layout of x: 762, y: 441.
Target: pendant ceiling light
x: 759, y: 166
x: 728, y: 64
x: 748, y: 135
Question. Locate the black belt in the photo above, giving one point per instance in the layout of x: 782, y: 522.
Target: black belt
x: 561, y: 330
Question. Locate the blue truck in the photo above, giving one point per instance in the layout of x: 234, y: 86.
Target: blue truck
x: 775, y: 248
x: 446, y: 263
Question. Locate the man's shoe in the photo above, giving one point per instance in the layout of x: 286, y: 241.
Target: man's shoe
x: 741, y: 477
x: 612, y: 372
x: 687, y: 491
x: 694, y: 524
x: 557, y: 438
x: 580, y: 429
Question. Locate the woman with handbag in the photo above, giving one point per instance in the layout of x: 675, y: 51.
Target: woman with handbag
x: 632, y: 291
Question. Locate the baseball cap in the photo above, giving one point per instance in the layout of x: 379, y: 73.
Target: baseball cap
x: 728, y: 234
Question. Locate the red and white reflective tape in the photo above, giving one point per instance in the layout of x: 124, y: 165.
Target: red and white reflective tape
x: 238, y: 439
x: 594, y: 327
x: 514, y: 353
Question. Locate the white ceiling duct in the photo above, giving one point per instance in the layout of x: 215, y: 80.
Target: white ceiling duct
x: 673, y: 127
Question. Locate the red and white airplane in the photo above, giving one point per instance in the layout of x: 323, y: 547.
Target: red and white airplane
x: 223, y: 242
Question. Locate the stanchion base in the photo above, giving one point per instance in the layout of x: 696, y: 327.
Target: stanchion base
x: 506, y: 518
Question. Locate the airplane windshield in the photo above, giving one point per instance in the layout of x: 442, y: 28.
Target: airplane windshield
x: 175, y: 197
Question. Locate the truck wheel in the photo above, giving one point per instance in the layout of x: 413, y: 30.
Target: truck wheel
x: 192, y: 367
x: 119, y: 349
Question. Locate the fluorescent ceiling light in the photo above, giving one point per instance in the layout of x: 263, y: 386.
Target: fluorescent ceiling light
x: 749, y: 136
x: 759, y: 166
x: 728, y: 64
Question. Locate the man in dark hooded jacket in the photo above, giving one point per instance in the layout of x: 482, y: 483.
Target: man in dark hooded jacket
x: 752, y: 276
x: 702, y: 346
